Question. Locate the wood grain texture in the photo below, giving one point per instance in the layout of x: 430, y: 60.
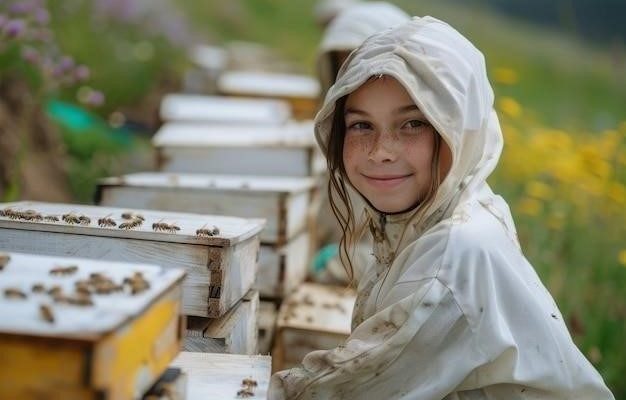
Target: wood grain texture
x: 283, y: 268
x: 220, y: 376
x: 220, y: 109
x: 234, y: 333
x: 217, y: 276
x: 282, y: 201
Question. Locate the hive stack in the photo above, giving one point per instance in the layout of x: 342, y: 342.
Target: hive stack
x: 219, y: 255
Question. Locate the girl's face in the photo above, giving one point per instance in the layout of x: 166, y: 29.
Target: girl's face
x: 388, y: 146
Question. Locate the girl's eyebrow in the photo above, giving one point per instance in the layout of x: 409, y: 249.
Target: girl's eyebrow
x: 399, y: 110
x: 406, y: 109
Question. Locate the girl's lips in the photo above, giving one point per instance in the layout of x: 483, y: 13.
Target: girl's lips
x: 386, y: 181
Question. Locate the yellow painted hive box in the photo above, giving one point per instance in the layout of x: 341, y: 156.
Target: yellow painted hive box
x: 75, y: 328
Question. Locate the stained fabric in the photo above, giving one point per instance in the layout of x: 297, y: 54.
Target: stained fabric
x: 450, y: 309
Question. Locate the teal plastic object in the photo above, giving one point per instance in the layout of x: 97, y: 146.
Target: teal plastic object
x: 80, y: 121
x: 323, y: 255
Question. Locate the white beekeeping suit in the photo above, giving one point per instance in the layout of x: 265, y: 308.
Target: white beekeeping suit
x: 452, y: 309
x: 349, y: 29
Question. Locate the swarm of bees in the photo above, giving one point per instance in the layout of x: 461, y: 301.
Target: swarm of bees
x: 247, y: 390
x: 26, y: 215
x: 164, y: 227
x: 4, y: 260
x: 204, y: 232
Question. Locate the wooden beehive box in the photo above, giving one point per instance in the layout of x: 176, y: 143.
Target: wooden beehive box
x: 301, y: 91
x: 220, y: 268
x: 283, y: 268
x: 314, y: 317
x: 236, y: 332
x: 221, y: 376
x: 267, y: 325
x: 224, y: 110
x: 229, y: 149
x: 283, y: 201
x: 104, y: 344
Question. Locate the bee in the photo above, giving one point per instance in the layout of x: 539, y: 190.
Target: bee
x: 71, y: 218
x: 51, y: 218
x: 38, y: 288
x: 132, y: 215
x: 131, y: 224
x: 137, y: 283
x: 97, y: 276
x: 245, y: 393
x: 84, y: 220
x: 203, y: 232
x: 307, y: 300
x: 309, y: 319
x: 162, y: 226
x: 64, y: 270
x: 106, y: 222
x: 80, y: 300
x: 249, y: 382
x: 82, y: 287
x: 46, y: 313
x: 55, y: 290
x: 12, y: 293
x: 4, y: 260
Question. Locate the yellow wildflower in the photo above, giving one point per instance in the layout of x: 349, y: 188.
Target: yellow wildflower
x: 622, y: 257
x: 510, y: 107
x: 538, y: 190
x: 529, y: 206
x: 505, y: 76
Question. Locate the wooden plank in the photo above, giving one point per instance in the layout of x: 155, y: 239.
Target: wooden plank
x: 218, y: 275
x: 233, y: 333
x: 115, y: 346
x: 224, y: 110
x: 314, y: 317
x: 302, y: 92
x: 220, y: 376
x: 282, y: 201
x: 267, y: 325
x: 266, y: 84
x: 282, y: 269
x: 291, y: 135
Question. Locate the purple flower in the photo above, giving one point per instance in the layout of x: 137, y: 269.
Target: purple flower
x: 95, y: 98
x: 42, y: 16
x: 66, y: 63
x: 3, y: 20
x: 22, y: 7
x: 14, y: 28
x: 30, y: 55
x: 81, y: 73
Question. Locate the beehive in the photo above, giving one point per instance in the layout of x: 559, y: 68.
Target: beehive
x: 238, y: 149
x: 282, y: 201
x: 223, y: 110
x: 301, y: 91
x: 109, y: 344
x: 314, y: 317
x: 221, y: 268
x: 221, y: 376
x: 236, y: 332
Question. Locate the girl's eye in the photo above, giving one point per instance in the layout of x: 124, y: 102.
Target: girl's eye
x: 415, y: 124
x: 360, y: 126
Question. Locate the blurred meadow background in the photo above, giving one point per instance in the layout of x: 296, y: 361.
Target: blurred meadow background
x: 81, y: 82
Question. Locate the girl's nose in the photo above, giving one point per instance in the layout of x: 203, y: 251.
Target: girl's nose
x: 383, y: 148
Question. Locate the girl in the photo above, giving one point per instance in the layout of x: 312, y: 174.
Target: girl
x: 450, y: 309
x: 344, y: 34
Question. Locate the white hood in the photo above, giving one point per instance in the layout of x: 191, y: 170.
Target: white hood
x: 350, y: 29
x: 456, y: 312
x: 445, y: 76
